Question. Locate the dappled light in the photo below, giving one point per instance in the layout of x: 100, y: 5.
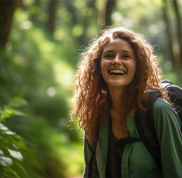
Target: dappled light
x: 153, y: 29
x: 8, y: 46
x: 127, y: 23
x: 38, y: 60
x: 168, y: 65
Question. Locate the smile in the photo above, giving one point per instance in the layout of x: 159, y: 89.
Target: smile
x: 116, y: 72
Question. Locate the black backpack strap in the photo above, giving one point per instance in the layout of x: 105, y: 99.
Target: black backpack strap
x: 146, y: 131
x: 145, y: 127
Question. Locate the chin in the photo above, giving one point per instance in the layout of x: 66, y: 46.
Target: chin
x: 117, y: 85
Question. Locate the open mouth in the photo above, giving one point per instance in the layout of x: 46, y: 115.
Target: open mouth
x: 117, y: 72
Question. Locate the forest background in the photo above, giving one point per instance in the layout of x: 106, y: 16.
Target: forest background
x: 40, y: 43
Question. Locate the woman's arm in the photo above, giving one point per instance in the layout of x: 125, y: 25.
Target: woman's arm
x: 168, y: 130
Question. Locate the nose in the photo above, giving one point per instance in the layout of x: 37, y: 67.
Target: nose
x: 116, y: 61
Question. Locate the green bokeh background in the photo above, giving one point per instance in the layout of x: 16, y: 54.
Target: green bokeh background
x: 37, y: 69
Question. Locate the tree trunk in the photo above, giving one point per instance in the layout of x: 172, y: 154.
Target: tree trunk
x: 6, y: 15
x: 52, y: 15
x: 109, y: 8
x: 85, y: 23
x: 102, y: 14
x: 21, y: 5
x: 179, y: 31
x: 33, y: 17
x: 169, y: 34
x: 70, y: 7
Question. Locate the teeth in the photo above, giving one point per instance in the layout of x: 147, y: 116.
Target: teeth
x: 116, y: 71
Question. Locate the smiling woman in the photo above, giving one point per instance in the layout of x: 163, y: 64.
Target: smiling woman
x: 118, y: 64
x: 117, y: 74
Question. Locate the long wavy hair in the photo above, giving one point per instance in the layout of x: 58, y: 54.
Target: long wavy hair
x: 91, y: 94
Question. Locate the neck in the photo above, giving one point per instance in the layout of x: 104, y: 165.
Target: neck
x: 117, y: 98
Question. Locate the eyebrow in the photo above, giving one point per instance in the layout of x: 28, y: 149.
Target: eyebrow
x: 121, y: 51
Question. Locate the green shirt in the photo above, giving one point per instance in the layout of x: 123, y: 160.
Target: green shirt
x: 136, y: 160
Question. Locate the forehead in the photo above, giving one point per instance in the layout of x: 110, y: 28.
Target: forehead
x: 118, y: 44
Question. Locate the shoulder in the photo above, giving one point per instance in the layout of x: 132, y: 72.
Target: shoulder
x: 161, y: 104
x: 162, y: 107
x: 168, y: 130
x: 165, y: 117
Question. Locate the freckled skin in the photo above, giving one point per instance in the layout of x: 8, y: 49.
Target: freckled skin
x: 118, y: 54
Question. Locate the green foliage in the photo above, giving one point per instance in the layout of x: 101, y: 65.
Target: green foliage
x: 44, y: 151
x: 38, y: 69
x: 174, y: 76
x: 11, y: 144
x: 49, y: 152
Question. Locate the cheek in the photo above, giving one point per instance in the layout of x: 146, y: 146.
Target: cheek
x: 103, y: 71
x: 103, y: 66
x: 132, y: 68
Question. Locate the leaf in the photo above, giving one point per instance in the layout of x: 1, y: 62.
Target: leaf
x: 18, y: 113
x: 2, y: 127
x: 10, y: 133
x: 8, y: 172
x: 7, y: 113
x: 16, y: 154
x: 22, y: 169
x: 21, y: 144
x: 5, y: 161
x: 18, y: 101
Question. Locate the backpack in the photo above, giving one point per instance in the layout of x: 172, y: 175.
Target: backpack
x: 145, y: 127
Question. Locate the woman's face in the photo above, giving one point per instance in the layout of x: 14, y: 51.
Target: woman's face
x: 118, y: 63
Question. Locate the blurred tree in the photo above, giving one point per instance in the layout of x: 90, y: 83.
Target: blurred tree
x: 69, y: 6
x: 169, y: 34
x: 102, y: 13
x: 179, y: 30
x: 6, y: 15
x: 29, y: 73
x: 50, y: 24
x: 90, y: 5
x: 36, y: 6
x: 21, y: 5
x: 109, y: 8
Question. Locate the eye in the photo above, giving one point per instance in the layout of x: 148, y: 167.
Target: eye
x: 126, y: 56
x: 108, y: 56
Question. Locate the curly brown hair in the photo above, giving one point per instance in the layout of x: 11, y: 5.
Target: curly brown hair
x: 91, y: 94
